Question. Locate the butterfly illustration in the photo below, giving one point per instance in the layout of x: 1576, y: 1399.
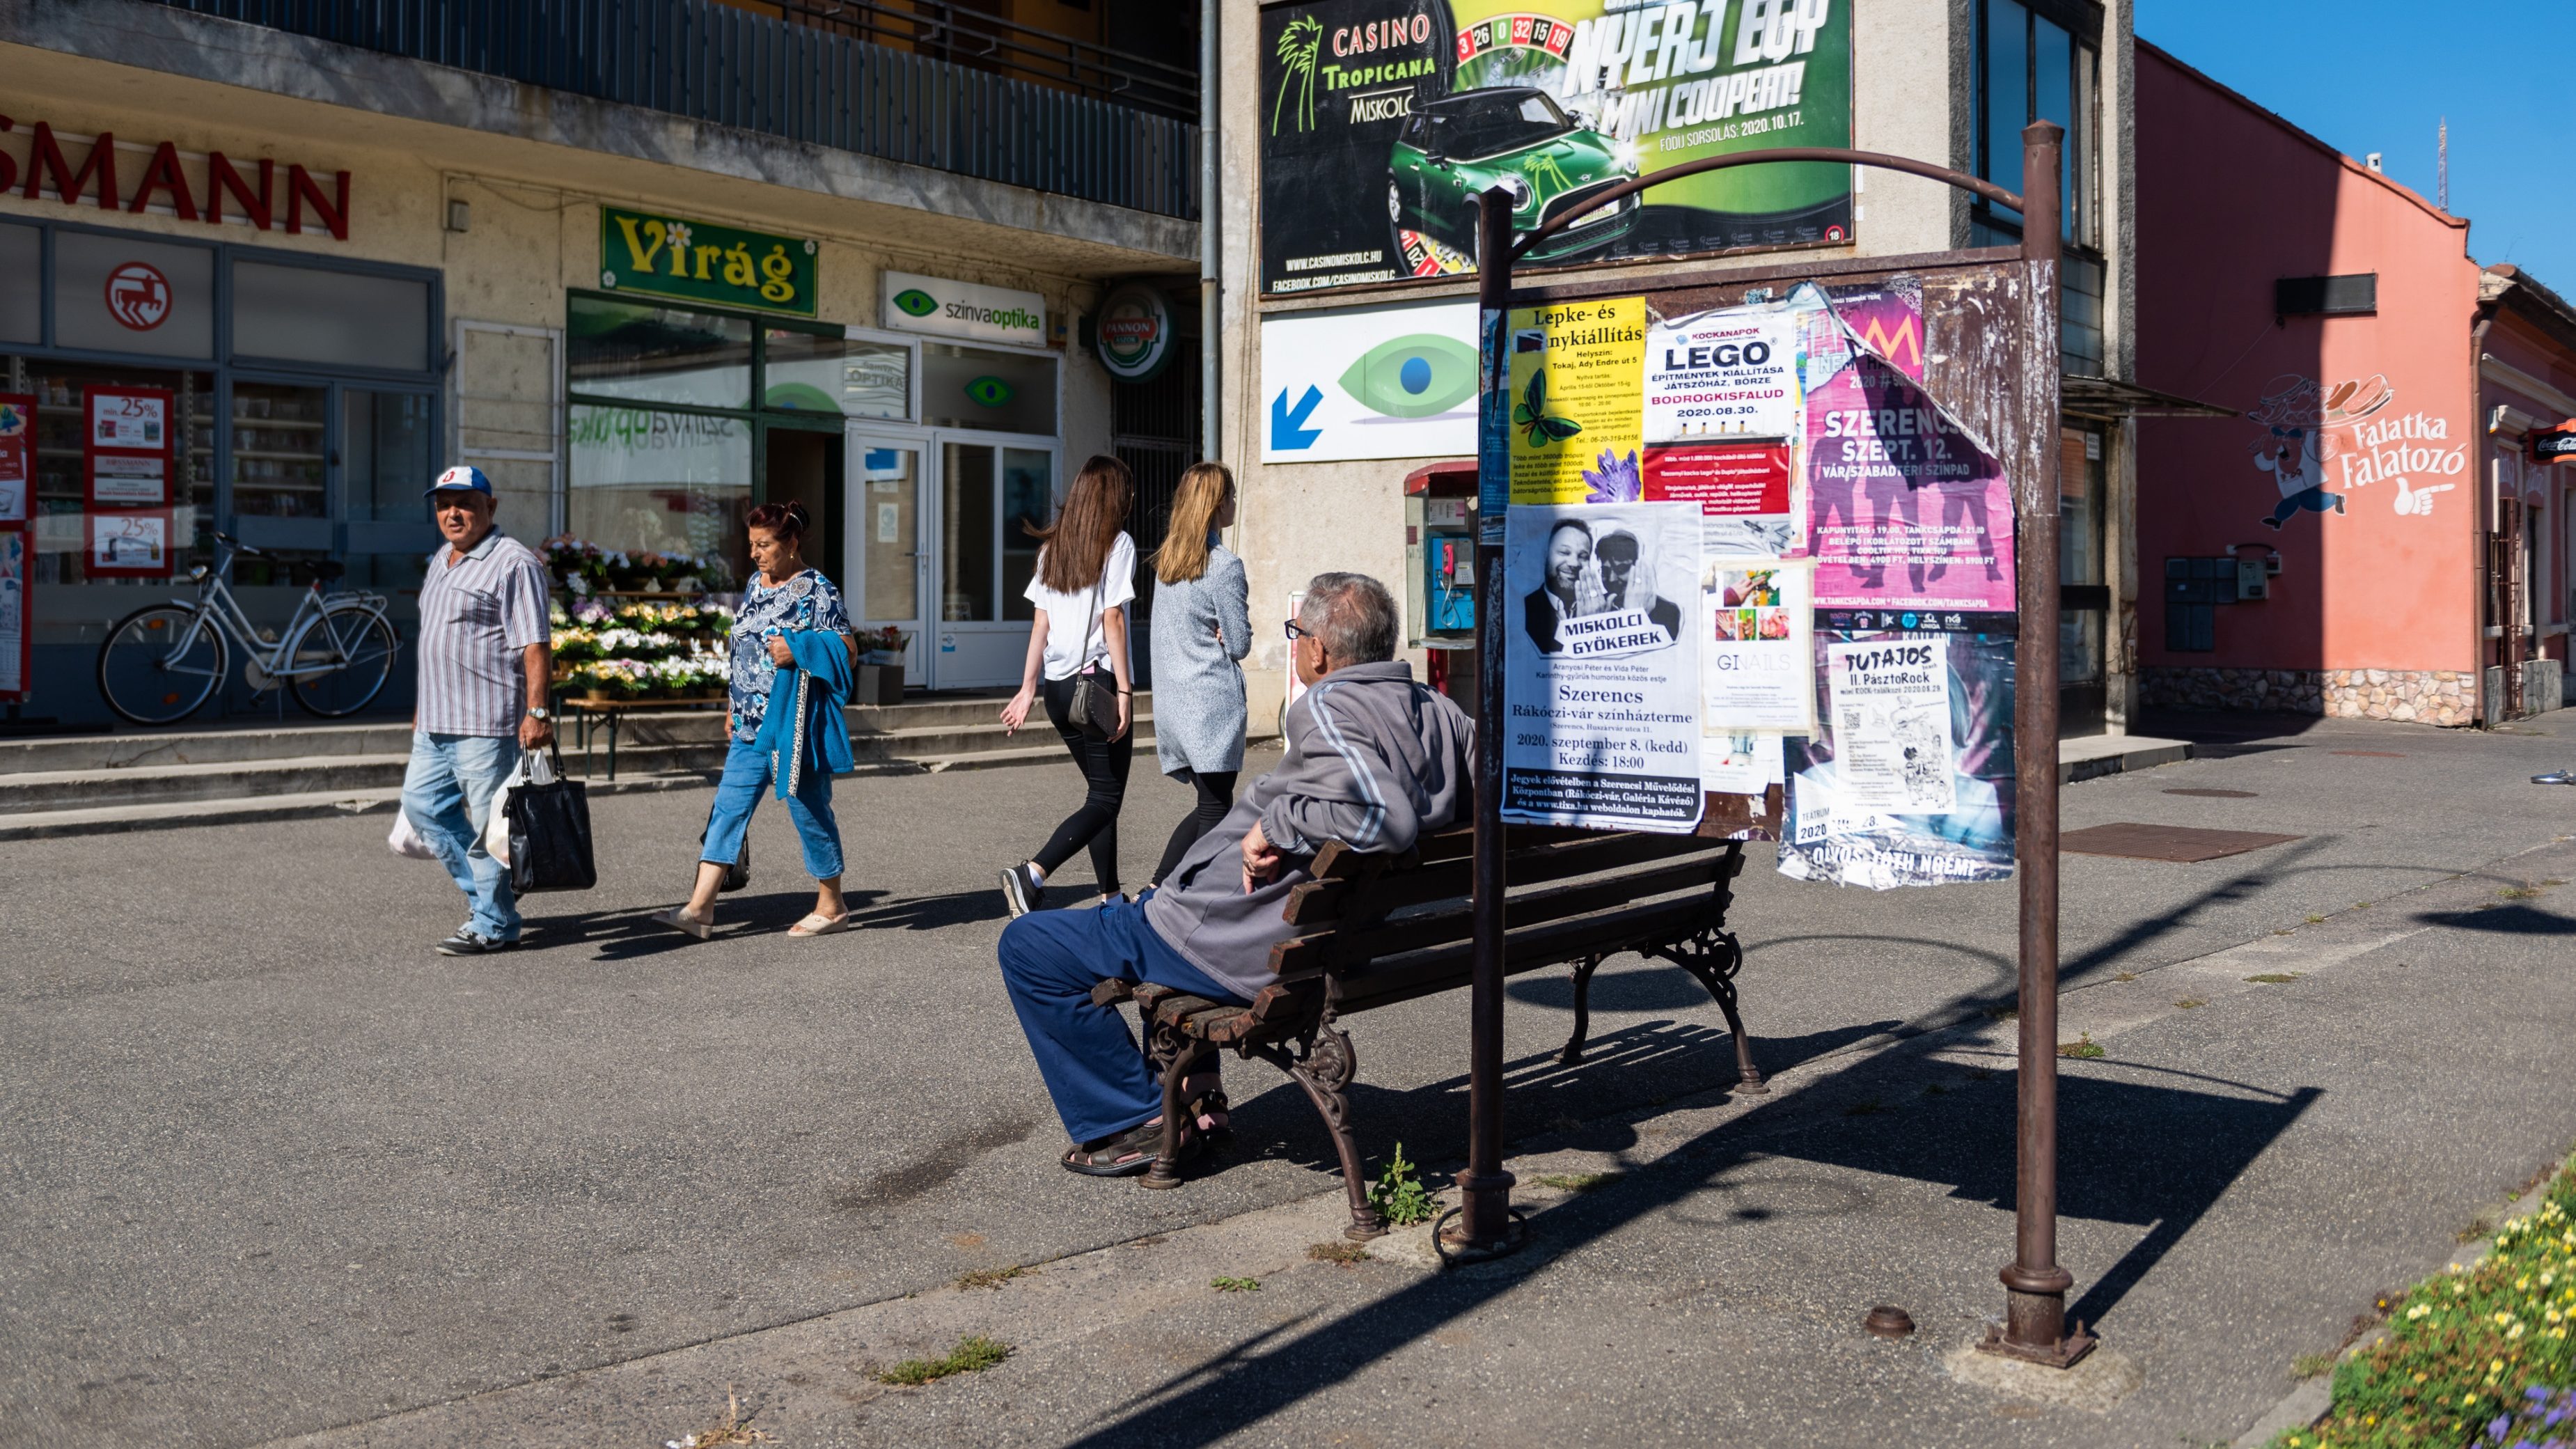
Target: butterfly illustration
x: 1530, y: 413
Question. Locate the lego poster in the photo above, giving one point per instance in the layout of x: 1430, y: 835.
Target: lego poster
x: 1380, y: 123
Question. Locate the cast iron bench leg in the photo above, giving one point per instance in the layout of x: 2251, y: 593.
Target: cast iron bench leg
x: 1583, y: 969
x: 1326, y: 1066
x: 1186, y: 1057
x: 1714, y: 957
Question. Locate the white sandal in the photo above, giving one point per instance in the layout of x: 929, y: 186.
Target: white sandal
x: 677, y: 921
x: 829, y: 925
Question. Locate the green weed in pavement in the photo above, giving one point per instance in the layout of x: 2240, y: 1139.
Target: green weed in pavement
x: 970, y: 1356
x: 1235, y: 1285
x: 1399, y: 1196
x: 2464, y: 1347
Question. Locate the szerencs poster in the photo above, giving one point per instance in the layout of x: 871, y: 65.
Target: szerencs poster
x: 1379, y: 123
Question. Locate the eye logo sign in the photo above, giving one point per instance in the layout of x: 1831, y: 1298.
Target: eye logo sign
x: 989, y: 392
x: 138, y: 296
x: 916, y: 302
x: 1417, y: 376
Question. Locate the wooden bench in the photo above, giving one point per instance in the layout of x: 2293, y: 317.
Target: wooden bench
x: 1374, y: 930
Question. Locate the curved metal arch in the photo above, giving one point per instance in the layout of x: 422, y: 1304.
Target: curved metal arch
x: 2009, y: 200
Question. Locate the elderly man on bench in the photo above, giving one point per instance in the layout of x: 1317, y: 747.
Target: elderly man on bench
x: 1373, y: 760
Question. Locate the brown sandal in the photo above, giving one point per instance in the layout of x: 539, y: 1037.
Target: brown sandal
x: 1121, y: 1154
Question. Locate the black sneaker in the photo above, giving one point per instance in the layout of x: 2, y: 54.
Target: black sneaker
x: 469, y: 942
x: 1022, y: 891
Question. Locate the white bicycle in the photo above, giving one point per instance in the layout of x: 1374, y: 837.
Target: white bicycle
x: 162, y: 662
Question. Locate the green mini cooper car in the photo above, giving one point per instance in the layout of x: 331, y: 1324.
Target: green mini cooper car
x: 1514, y: 137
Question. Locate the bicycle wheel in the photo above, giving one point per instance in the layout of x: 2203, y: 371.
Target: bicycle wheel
x: 362, y: 642
x: 160, y: 664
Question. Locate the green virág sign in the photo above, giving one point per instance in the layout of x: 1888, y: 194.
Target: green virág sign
x: 699, y: 261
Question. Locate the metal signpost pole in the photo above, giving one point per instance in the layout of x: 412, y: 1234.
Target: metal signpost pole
x: 2035, y: 1302
x: 1485, y: 1189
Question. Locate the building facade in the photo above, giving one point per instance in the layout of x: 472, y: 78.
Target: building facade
x: 642, y: 278
x: 1329, y: 262
x: 2365, y: 536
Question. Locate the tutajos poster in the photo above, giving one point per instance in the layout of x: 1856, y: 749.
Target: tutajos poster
x: 1601, y: 657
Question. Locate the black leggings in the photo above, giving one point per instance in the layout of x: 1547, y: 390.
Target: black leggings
x: 1216, y: 796
x: 1104, y: 768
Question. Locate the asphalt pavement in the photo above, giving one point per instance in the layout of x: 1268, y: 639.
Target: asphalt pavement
x: 276, y: 1170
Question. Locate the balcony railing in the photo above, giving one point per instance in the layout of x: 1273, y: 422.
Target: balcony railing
x: 952, y: 31
x: 715, y: 63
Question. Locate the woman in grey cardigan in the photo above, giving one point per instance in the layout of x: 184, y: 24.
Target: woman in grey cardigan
x: 1200, y: 633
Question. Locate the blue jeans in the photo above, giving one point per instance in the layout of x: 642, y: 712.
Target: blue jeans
x: 746, y: 777
x: 447, y: 792
x: 1093, y: 1068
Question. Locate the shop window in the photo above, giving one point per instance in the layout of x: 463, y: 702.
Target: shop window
x: 22, y: 275
x: 281, y: 482
x: 2085, y: 602
x: 61, y: 509
x: 386, y: 466
x: 808, y: 372
x: 1028, y: 501
x: 659, y: 482
x: 117, y: 294
x: 969, y: 387
x: 643, y: 353
x: 307, y: 314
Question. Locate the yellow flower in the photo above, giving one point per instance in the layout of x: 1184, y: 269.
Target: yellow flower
x: 2418, y: 1311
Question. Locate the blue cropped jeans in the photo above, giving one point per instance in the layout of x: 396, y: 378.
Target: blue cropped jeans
x: 746, y: 778
x: 447, y: 792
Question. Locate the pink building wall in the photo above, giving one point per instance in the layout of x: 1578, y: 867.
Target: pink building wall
x: 2354, y: 433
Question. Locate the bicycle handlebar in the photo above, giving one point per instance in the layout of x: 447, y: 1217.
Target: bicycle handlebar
x: 237, y: 546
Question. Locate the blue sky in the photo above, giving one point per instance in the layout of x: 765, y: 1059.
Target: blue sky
x: 2379, y: 75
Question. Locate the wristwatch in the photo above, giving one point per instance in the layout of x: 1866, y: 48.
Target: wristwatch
x: 535, y: 713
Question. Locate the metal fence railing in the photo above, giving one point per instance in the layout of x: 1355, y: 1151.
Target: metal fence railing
x: 711, y: 62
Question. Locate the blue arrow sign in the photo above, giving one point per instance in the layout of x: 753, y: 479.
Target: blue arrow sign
x: 1288, y: 431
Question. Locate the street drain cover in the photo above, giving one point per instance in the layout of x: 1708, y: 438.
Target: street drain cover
x: 2132, y: 841
x: 2216, y: 794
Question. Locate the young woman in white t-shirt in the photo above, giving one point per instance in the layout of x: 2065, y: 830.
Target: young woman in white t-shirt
x: 1086, y: 577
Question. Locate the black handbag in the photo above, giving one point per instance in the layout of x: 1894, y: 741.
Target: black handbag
x: 550, y: 835
x: 1095, y: 703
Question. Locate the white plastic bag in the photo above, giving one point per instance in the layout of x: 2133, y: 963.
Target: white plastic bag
x: 530, y: 770
x: 405, y: 841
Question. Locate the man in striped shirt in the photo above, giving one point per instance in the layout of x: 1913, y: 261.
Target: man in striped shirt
x: 486, y: 654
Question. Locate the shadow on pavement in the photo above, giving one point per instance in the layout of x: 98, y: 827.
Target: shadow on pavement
x: 2516, y: 920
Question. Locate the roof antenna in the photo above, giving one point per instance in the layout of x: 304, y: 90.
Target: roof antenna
x: 2442, y: 170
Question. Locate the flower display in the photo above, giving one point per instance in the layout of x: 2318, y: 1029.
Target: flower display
x: 2479, y: 1354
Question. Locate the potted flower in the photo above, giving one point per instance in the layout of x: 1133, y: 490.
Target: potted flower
x: 880, y: 678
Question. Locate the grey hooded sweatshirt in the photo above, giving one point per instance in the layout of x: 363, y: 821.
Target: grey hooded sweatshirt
x: 1373, y: 761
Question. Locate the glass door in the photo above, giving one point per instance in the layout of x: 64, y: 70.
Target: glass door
x: 989, y: 494
x: 883, y: 537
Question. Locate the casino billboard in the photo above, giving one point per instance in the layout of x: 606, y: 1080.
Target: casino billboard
x: 1381, y: 122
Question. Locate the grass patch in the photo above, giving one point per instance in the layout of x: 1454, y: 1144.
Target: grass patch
x: 2312, y: 1365
x: 992, y: 1277
x: 970, y: 1356
x: 2190, y: 1002
x: 2470, y: 1349
x: 1339, y: 1251
x: 2316, y: 920
x: 734, y: 1430
x: 2275, y: 978
x: 1577, y: 1181
x: 2082, y: 1049
x: 1399, y: 1196
x: 2517, y: 893
x: 1235, y: 1285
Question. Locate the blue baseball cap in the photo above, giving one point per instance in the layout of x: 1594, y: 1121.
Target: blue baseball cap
x: 462, y: 478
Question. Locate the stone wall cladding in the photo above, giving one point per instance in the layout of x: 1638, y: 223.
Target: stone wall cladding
x: 2426, y: 696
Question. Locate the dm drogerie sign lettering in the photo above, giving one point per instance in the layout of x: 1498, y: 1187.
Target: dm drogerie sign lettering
x: 699, y: 261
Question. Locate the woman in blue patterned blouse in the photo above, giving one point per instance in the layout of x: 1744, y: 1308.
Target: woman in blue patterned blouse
x: 784, y: 597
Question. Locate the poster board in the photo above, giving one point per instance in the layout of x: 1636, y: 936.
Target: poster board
x: 17, y: 619
x: 17, y: 457
x: 1889, y: 379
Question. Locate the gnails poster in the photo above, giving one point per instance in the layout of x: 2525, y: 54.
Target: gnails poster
x: 1382, y: 120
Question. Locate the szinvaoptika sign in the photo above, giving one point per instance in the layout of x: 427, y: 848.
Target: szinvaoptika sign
x: 699, y: 261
